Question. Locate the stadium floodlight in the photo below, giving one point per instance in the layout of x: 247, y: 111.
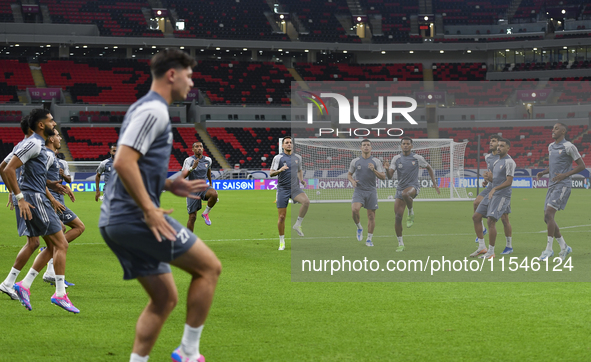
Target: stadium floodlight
x: 326, y: 163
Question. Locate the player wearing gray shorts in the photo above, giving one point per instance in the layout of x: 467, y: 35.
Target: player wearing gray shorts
x: 562, y: 153
x: 139, y: 231
x: 366, y: 169
x: 406, y: 165
x: 288, y: 186
x: 498, y: 201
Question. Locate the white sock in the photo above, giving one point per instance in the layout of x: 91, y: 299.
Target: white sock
x: 299, y: 222
x: 50, y: 270
x: 359, y: 226
x: 481, y: 244
x: 491, y: 249
x: 281, y: 238
x: 410, y: 211
x: 31, y: 275
x: 207, y: 210
x: 11, y: 278
x: 137, y: 358
x: 400, y: 242
x: 508, y: 241
x: 369, y: 236
x: 190, y: 341
x: 561, y: 242
x: 549, y: 245
x: 60, y: 285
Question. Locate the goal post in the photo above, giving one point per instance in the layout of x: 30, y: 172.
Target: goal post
x: 325, y: 164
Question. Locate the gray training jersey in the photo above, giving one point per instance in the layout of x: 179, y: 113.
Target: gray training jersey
x: 490, y: 160
x: 407, y: 169
x: 64, y: 166
x: 146, y: 128
x: 286, y: 180
x: 562, y: 155
x: 502, y: 168
x: 19, y: 171
x: 105, y: 168
x: 200, y: 173
x: 36, y: 161
x: 53, y: 174
x: 366, y: 178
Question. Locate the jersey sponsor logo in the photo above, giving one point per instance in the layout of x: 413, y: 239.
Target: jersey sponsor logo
x: 413, y: 163
x: 559, y: 152
x: 399, y: 165
x: 359, y: 167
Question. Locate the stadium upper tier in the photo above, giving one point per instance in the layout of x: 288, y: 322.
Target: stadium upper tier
x: 327, y: 21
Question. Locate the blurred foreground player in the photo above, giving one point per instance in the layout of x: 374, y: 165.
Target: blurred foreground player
x: 140, y: 233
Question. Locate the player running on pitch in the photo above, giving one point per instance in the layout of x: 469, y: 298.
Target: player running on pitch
x: 490, y: 159
x: 366, y: 170
x: 498, y: 201
x: 407, y: 166
x: 104, y: 168
x: 199, y: 167
x: 562, y: 153
x: 288, y: 186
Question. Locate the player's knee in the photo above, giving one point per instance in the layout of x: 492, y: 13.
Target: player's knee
x: 491, y: 222
x: 215, y: 269
x: 548, y: 218
x: 398, y: 218
x: 192, y: 217
x: 476, y: 217
x: 80, y: 226
x: 371, y: 217
x: 33, y: 243
x: 281, y: 218
x: 306, y: 203
x: 476, y: 203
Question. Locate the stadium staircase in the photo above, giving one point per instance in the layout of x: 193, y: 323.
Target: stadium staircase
x: 37, y: 75
x: 513, y: 9
x: 17, y: 14
x: 215, y: 152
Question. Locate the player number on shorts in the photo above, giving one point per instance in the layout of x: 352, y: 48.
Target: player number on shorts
x: 183, y: 236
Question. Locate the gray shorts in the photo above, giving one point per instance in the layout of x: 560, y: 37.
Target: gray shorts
x: 283, y: 196
x: 45, y: 221
x: 67, y: 216
x: 498, y: 206
x: 557, y: 196
x: 196, y: 205
x: 399, y: 191
x: 367, y: 199
x: 138, y: 251
x: 21, y: 226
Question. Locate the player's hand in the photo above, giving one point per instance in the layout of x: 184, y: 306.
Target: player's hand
x: 284, y: 168
x: 354, y: 183
x: 61, y: 172
x: 491, y: 193
x: 195, y: 164
x: 303, y: 182
x: 155, y: 220
x: 386, y: 165
x: 371, y: 166
x: 71, y: 195
x: 57, y: 206
x: 57, y: 187
x: 97, y: 195
x: 437, y: 189
x: 25, y: 209
x: 484, y: 183
x: 9, y: 203
x: 539, y: 175
x: 559, y: 177
x: 185, y: 188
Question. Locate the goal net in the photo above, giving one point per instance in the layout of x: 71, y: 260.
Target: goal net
x: 326, y: 164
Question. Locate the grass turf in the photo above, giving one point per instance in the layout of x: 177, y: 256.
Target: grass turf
x: 259, y: 314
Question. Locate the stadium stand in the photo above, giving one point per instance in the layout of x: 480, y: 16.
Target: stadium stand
x: 249, y: 147
x: 458, y: 12
x: 104, y: 81
x: 572, y: 90
x: 357, y: 72
x: 395, y: 19
x: 225, y: 19
x: 459, y: 71
x: 15, y: 76
x: 113, y: 18
x: 318, y: 16
x: 243, y: 82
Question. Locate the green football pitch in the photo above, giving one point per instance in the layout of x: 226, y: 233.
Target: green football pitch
x: 260, y: 314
